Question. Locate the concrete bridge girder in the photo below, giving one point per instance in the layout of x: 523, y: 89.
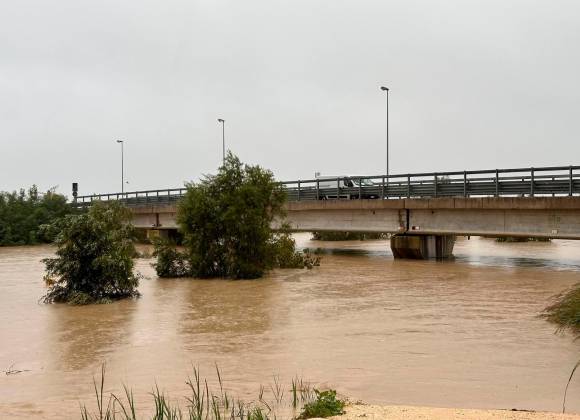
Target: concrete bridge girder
x: 553, y: 217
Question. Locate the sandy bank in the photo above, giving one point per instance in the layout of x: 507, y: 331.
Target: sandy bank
x: 362, y: 411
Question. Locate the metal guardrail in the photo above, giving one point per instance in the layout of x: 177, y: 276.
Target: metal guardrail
x: 517, y: 182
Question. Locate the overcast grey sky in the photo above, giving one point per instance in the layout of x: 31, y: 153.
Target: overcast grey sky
x: 474, y: 85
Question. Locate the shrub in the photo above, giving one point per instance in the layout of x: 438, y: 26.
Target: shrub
x: 170, y: 262
x: 283, y: 252
x: 94, y: 259
x: 325, y: 405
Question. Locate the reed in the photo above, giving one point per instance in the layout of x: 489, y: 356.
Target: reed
x: 203, y: 402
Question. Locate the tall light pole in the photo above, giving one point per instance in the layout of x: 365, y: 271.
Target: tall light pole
x: 386, y: 89
x: 223, y: 139
x: 122, y: 166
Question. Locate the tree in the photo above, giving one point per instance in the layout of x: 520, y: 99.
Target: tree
x: 22, y: 213
x: 226, y: 224
x: 94, y: 259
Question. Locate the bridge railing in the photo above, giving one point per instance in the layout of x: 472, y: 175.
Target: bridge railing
x: 517, y: 182
x: 135, y: 198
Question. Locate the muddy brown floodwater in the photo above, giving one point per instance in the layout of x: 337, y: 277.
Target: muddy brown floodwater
x: 463, y: 333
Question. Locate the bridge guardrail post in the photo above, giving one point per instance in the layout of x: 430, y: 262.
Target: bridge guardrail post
x: 532, y: 182
x: 337, y: 188
x: 435, y: 185
x: 298, y: 190
x: 383, y: 188
x: 360, y: 188
x: 317, y: 189
x: 408, y: 185
x: 571, y: 189
x: 465, y: 184
x: 497, y: 183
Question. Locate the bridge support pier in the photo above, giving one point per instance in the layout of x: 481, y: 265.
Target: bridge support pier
x: 422, y: 247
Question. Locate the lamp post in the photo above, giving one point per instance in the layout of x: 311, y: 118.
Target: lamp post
x: 386, y: 89
x: 122, y: 166
x: 221, y: 120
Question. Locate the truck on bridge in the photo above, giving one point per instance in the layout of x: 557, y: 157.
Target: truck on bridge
x: 345, y: 187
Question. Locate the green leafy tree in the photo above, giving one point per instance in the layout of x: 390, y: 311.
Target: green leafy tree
x: 226, y: 224
x: 22, y: 214
x: 94, y: 259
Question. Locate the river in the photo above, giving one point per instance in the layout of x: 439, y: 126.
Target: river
x: 461, y: 333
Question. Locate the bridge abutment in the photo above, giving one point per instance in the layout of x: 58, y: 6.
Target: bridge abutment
x: 422, y: 247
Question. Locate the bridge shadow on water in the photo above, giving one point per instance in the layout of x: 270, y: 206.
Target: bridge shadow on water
x: 482, y: 260
x: 516, y: 262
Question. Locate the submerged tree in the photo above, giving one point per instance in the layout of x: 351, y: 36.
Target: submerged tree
x: 94, y: 261
x: 226, y: 224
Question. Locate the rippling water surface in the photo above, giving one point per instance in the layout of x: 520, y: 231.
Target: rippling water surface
x: 460, y: 333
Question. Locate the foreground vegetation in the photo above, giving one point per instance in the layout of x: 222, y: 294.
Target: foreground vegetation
x: 23, y: 213
x: 94, y: 259
x: 564, y: 311
x: 226, y: 223
x: 205, y: 403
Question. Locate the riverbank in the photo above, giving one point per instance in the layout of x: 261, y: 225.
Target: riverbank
x: 397, y: 412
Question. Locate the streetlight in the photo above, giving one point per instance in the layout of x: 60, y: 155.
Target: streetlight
x: 386, y: 89
x: 122, y: 166
x: 223, y: 140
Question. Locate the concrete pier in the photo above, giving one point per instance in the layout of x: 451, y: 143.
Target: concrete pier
x: 422, y: 247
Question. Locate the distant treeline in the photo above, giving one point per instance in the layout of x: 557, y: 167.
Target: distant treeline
x: 348, y: 236
x: 22, y: 213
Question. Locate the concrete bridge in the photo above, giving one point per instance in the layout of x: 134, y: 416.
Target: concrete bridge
x: 422, y: 228
x: 424, y: 212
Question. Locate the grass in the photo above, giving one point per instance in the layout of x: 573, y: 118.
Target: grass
x: 205, y: 403
x: 564, y: 311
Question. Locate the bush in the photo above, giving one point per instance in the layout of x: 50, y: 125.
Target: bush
x: 23, y: 213
x: 325, y: 405
x: 226, y: 223
x: 170, y: 262
x: 94, y: 262
x: 283, y: 252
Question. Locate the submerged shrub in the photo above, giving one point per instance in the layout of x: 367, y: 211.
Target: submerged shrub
x: 325, y: 405
x: 284, y: 255
x: 226, y: 224
x: 94, y: 259
x: 170, y: 262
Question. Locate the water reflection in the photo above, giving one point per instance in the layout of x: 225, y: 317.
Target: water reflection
x: 222, y: 315
x: 84, y: 336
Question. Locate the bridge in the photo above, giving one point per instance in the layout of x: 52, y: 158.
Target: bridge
x: 423, y: 211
